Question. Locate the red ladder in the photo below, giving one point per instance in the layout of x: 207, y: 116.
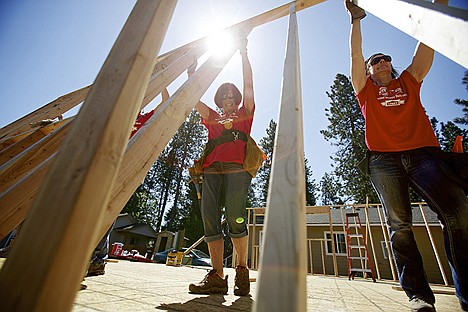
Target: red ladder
x: 355, y: 248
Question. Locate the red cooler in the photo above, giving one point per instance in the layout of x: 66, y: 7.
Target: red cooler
x: 117, y: 249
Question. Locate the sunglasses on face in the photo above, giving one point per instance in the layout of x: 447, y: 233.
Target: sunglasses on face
x: 227, y: 96
x: 377, y: 59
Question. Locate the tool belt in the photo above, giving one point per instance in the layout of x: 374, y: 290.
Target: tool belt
x: 253, y: 159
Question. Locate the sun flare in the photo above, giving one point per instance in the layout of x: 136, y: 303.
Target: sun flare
x: 220, y: 43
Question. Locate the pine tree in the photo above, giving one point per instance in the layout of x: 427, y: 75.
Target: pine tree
x: 164, y: 166
x: 261, y: 182
x: 329, y: 187
x: 259, y: 190
x: 167, y: 181
x: 142, y: 204
x: 448, y: 133
x: 187, y: 145
x: 463, y: 120
x: 311, y: 186
x: 346, y: 132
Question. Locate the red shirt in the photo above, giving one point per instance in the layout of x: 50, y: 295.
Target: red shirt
x: 395, y: 118
x: 230, y: 151
x: 141, y: 120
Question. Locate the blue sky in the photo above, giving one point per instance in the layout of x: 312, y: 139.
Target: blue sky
x: 52, y: 47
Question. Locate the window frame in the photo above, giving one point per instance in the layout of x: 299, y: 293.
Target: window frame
x: 336, y: 234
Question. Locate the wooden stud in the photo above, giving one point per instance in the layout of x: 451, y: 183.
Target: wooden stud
x: 25, y: 162
x: 59, y: 234
x: 16, y: 202
x: 12, y: 151
x: 281, y: 285
x: 48, y: 111
x: 434, y: 246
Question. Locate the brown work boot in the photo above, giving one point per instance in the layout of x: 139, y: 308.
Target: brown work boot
x: 96, y: 269
x: 211, y: 284
x: 242, y: 282
x: 5, y: 251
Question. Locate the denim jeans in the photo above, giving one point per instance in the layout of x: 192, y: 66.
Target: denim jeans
x: 392, y: 174
x: 225, y: 185
x: 101, y: 252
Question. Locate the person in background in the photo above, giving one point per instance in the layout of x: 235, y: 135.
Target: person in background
x: 226, y: 183
x: 100, y: 255
x: 403, y: 153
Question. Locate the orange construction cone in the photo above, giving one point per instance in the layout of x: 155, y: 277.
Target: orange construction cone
x: 458, y: 145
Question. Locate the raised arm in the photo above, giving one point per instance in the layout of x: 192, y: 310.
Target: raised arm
x: 358, y: 66
x: 248, y: 79
x: 423, y: 57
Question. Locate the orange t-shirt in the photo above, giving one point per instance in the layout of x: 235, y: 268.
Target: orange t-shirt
x: 395, y: 118
x: 230, y: 151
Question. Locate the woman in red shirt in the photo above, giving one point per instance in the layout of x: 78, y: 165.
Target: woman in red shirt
x: 226, y: 183
x: 403, y: 144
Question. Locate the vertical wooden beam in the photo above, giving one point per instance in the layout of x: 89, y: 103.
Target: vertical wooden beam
x: 283, y: 265
x: 441, y: 27
x: 434, y: 247
x: 387, y: 243
x: 369, y: 230
x: 60, y: 231
x: 335, y: 265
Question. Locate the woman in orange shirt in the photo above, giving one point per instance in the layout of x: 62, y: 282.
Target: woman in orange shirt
x: 403, y: 145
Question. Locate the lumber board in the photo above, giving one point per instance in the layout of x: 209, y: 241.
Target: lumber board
x: 25, y: 162
x: 281, y: 284
x: 281, y: 11
x: 440, y: 27
x: 168, y: 70
x: 16, y: 201
x: 318, y: 209
x: 83, y: 173
x: 10, y: 151
x: 13, y: 150
x: 49, y: 111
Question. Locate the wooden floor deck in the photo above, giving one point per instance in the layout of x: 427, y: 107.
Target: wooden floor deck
x: 134, y: 286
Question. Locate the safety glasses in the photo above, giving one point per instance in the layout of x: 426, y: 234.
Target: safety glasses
x: 377, y: 59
